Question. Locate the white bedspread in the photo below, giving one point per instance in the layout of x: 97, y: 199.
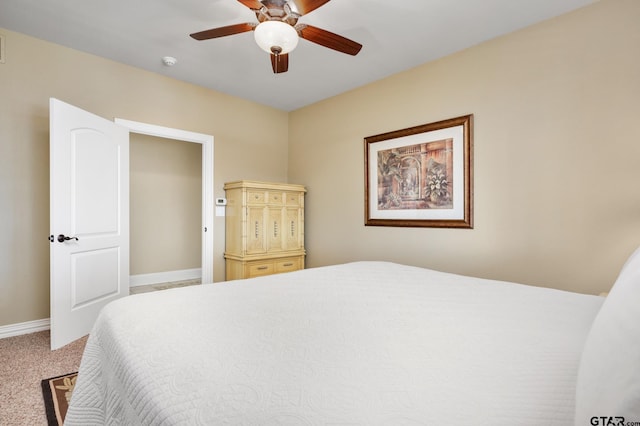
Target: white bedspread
x: 366, y: 343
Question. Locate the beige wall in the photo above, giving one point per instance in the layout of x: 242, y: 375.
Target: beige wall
x: 35, y: 71
x: 557, y: 154
x: 165, y: 205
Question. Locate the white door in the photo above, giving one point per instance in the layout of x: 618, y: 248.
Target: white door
x: 89, y: 210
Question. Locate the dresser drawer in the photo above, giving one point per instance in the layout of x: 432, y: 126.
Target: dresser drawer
x: 275, y: 197
x: 292, y: 198
x: 259, y: 269
x: 256, y: 197
x: 288, y: 264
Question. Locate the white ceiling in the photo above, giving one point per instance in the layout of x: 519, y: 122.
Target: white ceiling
x: 396, y: 35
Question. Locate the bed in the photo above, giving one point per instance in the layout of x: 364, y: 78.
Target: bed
x: 364, y: 343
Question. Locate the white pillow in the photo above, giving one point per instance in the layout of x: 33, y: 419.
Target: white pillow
x: 609, y: 374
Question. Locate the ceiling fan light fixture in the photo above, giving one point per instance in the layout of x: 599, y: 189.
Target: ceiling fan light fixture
x: 276, y: 37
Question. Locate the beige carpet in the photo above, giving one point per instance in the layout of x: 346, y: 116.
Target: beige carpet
x: 24, y: 362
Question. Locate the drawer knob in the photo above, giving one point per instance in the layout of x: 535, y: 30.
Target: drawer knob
x: 262, y: 268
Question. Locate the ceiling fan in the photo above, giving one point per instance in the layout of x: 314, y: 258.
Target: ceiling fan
x: 277, y: 31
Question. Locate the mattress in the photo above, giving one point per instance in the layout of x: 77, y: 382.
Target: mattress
x: 364, y: 343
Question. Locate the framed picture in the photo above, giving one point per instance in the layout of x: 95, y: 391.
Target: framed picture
x: 421, y: 176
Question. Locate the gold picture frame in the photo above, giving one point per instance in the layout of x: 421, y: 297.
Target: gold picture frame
x: 421, y: 176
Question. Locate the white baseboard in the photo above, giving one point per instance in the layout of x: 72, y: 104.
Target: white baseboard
x: 164, y: 277
x: 29, y: 327
x: 24, y: 328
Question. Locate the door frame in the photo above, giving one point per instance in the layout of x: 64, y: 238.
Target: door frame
x: 207, y: 180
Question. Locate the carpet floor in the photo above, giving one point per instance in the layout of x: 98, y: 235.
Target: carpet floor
x: 24, y: 362
x: 163, y: 286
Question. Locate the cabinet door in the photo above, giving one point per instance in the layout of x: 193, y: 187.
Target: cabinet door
x: 292, y: 229
x: 256, y: 242
x: 274, y: 229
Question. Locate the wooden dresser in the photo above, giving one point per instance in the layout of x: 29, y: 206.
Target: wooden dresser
x: 264, y: 228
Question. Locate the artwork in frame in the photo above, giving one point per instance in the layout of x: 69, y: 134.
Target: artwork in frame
x: 421, y: 176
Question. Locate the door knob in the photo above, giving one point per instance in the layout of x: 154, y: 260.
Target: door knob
x: 62, y: 238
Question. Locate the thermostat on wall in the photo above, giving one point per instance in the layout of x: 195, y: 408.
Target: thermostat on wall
x: 221, y: 201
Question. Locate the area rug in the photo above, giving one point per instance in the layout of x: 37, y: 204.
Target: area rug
x: 57, y: 394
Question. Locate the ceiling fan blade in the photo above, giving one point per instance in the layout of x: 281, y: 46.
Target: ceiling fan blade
x: 306, y: 6
x: 223, y: 31
x: 328, y: 39
x: 280, y: 63
x: 252, y: 4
